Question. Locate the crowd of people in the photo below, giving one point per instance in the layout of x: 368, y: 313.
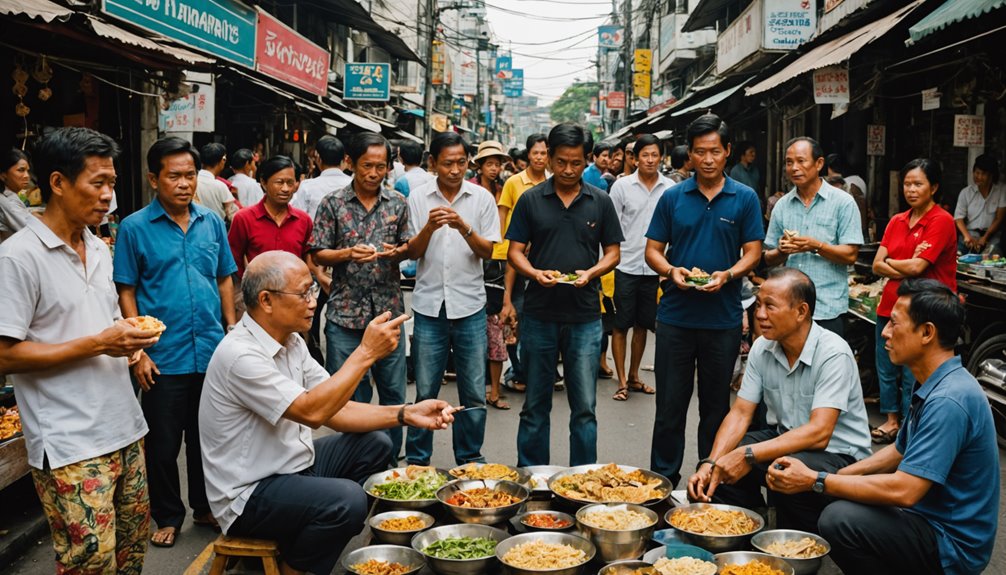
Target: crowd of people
x: 536, y: 265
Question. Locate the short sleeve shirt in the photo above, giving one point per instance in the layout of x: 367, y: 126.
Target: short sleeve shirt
x: 175, y: 274
x: 513, y: 189
x: 565, y: 239
x: 979, y: 212
x: 938, y: 229
x: 13, y: 213
x: 361, y: 292
x: 592, y: 175
x: 311, y: 192
x: 635, y: 204
x: 950, y: 440
x: 254, y: 232
x: 251, y: 382
x: 824, y: 376
x: 213, y: 194
x: 82, y: 409
x: 249, y: 191
x: 832, y: 218
x: 707, y: 235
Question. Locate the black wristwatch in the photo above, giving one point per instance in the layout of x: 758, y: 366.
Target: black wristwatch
x: 818, y: 486
x: 749, y: 456
x: 401, y: 413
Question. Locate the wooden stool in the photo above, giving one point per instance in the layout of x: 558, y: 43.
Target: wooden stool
x: 225, y: 548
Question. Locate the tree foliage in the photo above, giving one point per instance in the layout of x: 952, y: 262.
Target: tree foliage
x: 574, y: 103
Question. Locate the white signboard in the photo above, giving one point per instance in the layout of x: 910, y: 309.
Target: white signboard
x: 741, y: 39
x: 466, y: 75
x: 969, y: 131
x: 789, y: 23
x: 875, y: 136
x: 193, y: 113
x: 931, y: 99
x: 831, y: 85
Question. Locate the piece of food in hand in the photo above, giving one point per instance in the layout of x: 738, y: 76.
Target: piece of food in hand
x: 149, y: 323
x: 554, y: 274
x: 571, y: 277
x: 698, y: 277
x: 790, y: 234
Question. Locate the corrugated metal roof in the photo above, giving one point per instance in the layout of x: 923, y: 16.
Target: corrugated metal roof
x: 712, y: 100
x: 42, y: 9
x: 951, y: 12
x: 112, y: 32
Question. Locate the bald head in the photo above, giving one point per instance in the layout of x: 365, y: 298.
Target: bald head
x: 269, y: 271
x: 797, y: 286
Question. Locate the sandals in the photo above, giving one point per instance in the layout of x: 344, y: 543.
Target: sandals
x: 206, y: 521
x: 498, y: 403
x: 605, y: 373
x: 881, y: 437
x: 169, y: 539
x: 514, y: 385
x: 621, y: 395
x: 640, y: 387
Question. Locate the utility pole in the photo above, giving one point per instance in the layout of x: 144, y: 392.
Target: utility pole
x: 431, y: 29
x: 627, y: 42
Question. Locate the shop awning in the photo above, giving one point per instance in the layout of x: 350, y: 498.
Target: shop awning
x: 358, y: 121
x: 409, y: 136
x: 712, y: 100
x: 123, y: 36
x: 705, y: 14
x: 36, y: 9
x: 951, y: 12
x: 835, y: 51
x: 352, y: 14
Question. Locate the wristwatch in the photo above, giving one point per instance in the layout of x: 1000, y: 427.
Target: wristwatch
x: 401, y: 413
x: 749, y: 456
x: 469, y: 232
x: 818, y: 486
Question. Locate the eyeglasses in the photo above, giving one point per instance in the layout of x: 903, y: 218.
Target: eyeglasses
x: 311, y: 293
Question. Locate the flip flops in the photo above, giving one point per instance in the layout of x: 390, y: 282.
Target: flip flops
x: 640, y: 387
x: 621, y: 395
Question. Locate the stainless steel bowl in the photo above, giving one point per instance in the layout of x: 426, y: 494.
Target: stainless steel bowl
x: 485, y: 516
x: 523, y: 477
x: 386, y: 476
x: 570, y: 503
x: 744, y: 557
x: 762, y: 540
x: 458, y: 566
x: 617, y: 545
x: 398, y: 537
x: 558, y: 514
x: 717, y: 543
x: 540, y: 475
x: 545, y: 537
x: 623, y: 567
x: 390, y: 553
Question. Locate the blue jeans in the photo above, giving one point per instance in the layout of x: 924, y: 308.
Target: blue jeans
x: 432, y: 339
x: 580, y: 344
x: 389, y: 374
x: 887, y: 378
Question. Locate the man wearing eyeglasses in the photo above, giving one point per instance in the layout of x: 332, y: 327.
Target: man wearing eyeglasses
x: 266, y: 477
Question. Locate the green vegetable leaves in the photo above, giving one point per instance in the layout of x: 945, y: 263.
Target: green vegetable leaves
x: 424, y: 486
x: 461, y: 548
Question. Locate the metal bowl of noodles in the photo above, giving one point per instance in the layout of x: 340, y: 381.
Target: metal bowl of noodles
x: 576, y: 542
x: 586, y: 484
x: 405, y: 556
x: 417, y: 487
x: 459, y: 566
x: 617, y: 544
x: 628, y: 567
x: 398, y: 536
x: 515, y: 492
x: 711, y: 541
x: 475, y: 470
x: 806, y: 562
x: 745, y: 557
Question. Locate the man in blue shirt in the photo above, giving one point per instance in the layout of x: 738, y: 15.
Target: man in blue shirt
x: 929, y: 502
x: 172, y: 262
x: 594, y: 174
x: 708, y: 220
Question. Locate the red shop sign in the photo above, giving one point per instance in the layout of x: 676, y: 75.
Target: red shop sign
x: 286, y: 55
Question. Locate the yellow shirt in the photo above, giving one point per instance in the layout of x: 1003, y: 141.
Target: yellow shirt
x: 513, y: 189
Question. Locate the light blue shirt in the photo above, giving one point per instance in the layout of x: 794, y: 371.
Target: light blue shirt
x: 833, y: 218
x: 824, y: 376
x: 593, y: 176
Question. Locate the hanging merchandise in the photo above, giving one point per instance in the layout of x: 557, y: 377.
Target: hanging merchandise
x: 42, y: 74
x: 20, y: 90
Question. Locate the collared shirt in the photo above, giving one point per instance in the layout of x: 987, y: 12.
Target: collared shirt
x: 938, y: 229
x: 414, y: 178
x: 213, y: 194
x: 251, y: 382
x: 13, y: 213
x: 250, y: 192
x: 82, y: 409
x: 175, y: 275
x: 747, y: 175
x: 824, y: 376
x: 950, y: 440
x: 513, y: 189
x: 311, y: 192
x: 979, y: 212
x: 634, y: 205
x: 253, y: 232
x: 360, y: 292
x: 833, y: 218
x: 707, y: 234
x: 450, y: 273
x: 565, y: 239
x: 592, y: 175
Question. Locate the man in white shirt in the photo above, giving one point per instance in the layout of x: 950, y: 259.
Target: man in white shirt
x: 331, y: 154
x: 249, y: 190
x: 635, y: 197
x: 415, y: 176
x: 454, y: 224
x: 265, y: 475
x: 213, y: 193
x: 65, y: 344
x: 981, y: 208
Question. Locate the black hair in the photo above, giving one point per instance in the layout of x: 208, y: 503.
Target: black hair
x: 522, y: 154
x: 443, y: 140
x: 930, y: 168
x: 816, y: 151
x: 11, y: 158
x: 618, y: 146
x: 240, y: 158
x: 707, y: 124
x: 835, y: 163
x: 212, y: 153
x: 933, y: 302
x: 602, y: 147
x: 411, y: 153
x: 514, y: 153
x: 534, y: 139
x: 363, y: 141
x: 650, y: 140
x: 298, y: 170
x: 987, y: 163
x: 330, y: 150
x: 679, y: 156
x: 270, y: 167
x: 743, y: 147
x: 799, y: 287
x: 66, y: 151
x: 569, y: 135
x: 169, y: 146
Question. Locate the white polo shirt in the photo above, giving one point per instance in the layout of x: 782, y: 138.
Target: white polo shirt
x: 213, y: 193
x: 634, y: 205
x: 312, y: 191
x: 250, y: 192
x: 449, y: 272
x: 250, y: 383
x: 80, y: 410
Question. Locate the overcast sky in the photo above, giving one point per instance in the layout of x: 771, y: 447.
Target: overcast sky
x: 549, y: 68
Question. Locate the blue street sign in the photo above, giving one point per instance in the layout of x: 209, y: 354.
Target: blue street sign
x: 514, y: 87
x: 367, y: 81
x: 504, y: 66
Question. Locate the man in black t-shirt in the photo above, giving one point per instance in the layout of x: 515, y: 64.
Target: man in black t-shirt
x: 566, y: 222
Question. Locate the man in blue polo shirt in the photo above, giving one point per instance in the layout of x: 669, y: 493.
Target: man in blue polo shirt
x: 594, y: 173
x: 172, y: 262
x: 929, y: 502
x: 709, y: 220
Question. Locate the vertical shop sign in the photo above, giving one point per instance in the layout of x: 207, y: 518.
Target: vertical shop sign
x: 969, y: 131
x: 931, y: 99
x: 641, y: 85
x: 504, y: 67
x: 831, y: 85
x: 439, y: 63
x: 193, y: 113
x: 875, y: 138
x: 616, y: 100
x: 284, y: 54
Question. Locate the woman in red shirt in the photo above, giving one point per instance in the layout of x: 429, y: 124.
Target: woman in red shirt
x: 921, y: 242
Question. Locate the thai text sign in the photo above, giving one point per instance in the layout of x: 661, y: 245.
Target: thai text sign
x: 741, y: 38
x: 193, y: 113
x: 286, y: 55
x: 367, y: 81
x: 224, y: 28
x: 641, y: 85
x: 466, y: 74
x: 514, y: 87
x: 788, y: 23
x: 876, y: 136
x: 969, y: 131
x: 831, y: 85
x: 643, y: 59
x: 616, y: 100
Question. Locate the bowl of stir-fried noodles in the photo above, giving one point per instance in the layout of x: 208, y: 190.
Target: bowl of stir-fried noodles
x: 801, y: 549
x: 751, y: 563
x: 540, y: 552
x: 485, y: 501
x: 618, y: 530
x: 577, y: 486
x: 715, y: 527
x: 384, y: 560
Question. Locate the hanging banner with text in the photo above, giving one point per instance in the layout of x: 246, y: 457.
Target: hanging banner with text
x: 969, y: 131
x: 193, y: 113
x: 286, y: 55
x: 643, y: 60
x: 641, y: 85
x: 831, y: 85
x: 367, y: 81
x: 876, y: 136
x: 931, y: 99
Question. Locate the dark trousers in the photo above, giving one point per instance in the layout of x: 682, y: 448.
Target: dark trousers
x: 679, y: 352
x: 314, y: 335
x: 835, y: 325
x: 313, y: 514
x: 798, y: 511
x: 171, y: 409
x: 879, y: 540
x: 516, y: 371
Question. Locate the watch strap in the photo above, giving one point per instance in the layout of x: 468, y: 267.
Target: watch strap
x: 401, y: 413
x: 749, y: 456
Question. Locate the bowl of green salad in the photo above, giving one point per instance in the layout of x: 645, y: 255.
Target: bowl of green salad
x: 412, y: 487
x: 462, y: 549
